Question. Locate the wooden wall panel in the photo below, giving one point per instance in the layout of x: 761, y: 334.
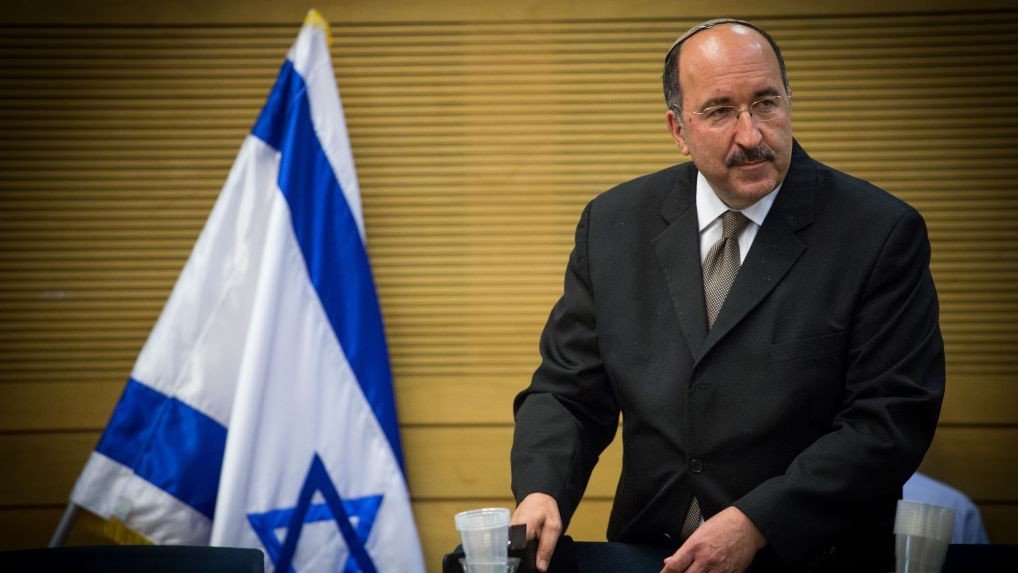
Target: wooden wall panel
x: 479, y: 131
x: 452, y: 462
x: 60, y: 405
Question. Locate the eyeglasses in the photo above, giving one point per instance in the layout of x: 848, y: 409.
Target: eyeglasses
x: 765, y: 109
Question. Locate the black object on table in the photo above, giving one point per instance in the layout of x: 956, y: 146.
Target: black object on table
x: 135, y: 558
x: 518, y: 548
x: 605, y: 557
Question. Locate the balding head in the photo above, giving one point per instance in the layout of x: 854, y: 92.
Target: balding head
x: 671, y: 79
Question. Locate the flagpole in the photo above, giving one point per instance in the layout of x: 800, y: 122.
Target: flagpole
x: 64, y: 527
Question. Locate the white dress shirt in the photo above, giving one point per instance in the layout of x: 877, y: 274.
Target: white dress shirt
x: 710, y: 207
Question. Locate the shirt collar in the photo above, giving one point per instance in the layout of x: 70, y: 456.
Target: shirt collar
x: 709, y: 206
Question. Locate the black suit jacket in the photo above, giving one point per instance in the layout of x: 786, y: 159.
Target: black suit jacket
x: 807, y: 405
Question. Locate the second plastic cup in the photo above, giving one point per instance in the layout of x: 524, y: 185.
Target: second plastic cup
x: 922, y: 533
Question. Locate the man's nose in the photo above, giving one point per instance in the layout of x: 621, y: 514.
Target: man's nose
x: 747, y: 132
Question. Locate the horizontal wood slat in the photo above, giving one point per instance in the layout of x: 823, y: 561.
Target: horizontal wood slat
x: 82, y: 404
x: 526, y: 14
x: 32, y: 527
x: 1001, y: 521
x: 980, y: 461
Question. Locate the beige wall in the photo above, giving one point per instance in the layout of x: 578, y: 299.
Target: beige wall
x: 479, y: 129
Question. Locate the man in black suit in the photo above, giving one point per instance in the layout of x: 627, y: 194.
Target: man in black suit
x: 771, y: 421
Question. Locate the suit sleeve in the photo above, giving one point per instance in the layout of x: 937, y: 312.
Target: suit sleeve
x: 894, y: 384
x: 568, y: 414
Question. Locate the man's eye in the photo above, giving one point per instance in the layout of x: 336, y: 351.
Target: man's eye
x: 718, y: 112
x: 766, y: 104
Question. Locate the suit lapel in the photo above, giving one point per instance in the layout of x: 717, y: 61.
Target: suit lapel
x: 775, y: 248
x: 678, y: 253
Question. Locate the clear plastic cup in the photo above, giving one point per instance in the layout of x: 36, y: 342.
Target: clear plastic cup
x: 484, y: 534
x: 922, y: 532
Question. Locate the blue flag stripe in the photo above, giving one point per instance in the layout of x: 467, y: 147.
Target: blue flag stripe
x: 327, y: 233
x: 167, y: 443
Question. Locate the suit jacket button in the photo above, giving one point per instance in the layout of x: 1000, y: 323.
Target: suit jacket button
x: 695, y: 466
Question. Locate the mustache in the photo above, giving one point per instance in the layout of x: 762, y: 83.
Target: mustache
x: 743, y: 156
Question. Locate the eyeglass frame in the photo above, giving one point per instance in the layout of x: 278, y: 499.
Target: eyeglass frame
x: 784, y: 99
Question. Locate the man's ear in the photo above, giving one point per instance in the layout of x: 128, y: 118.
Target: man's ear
x: 677, y: 130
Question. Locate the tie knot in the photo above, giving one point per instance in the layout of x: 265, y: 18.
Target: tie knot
x: 732, y: 223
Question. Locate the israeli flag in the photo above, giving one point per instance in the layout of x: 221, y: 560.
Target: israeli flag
x: 260, y: 412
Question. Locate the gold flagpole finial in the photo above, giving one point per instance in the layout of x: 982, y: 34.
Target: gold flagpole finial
x: 315, y: 19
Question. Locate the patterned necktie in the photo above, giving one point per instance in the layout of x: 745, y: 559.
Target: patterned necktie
x: 719, y: 270
x: 722, y: 263
x: 692, y: 521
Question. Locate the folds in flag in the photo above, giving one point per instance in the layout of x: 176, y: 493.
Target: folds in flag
x: 260, y: 411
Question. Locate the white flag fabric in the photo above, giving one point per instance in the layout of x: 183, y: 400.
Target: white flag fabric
x: 260, y: 411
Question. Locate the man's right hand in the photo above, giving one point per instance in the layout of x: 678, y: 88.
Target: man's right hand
x: 539, y: 511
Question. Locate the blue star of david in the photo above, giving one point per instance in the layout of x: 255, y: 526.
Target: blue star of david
x: 355, y: 518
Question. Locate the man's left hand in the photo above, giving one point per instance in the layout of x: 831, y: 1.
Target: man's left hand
x: 725, y: 543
